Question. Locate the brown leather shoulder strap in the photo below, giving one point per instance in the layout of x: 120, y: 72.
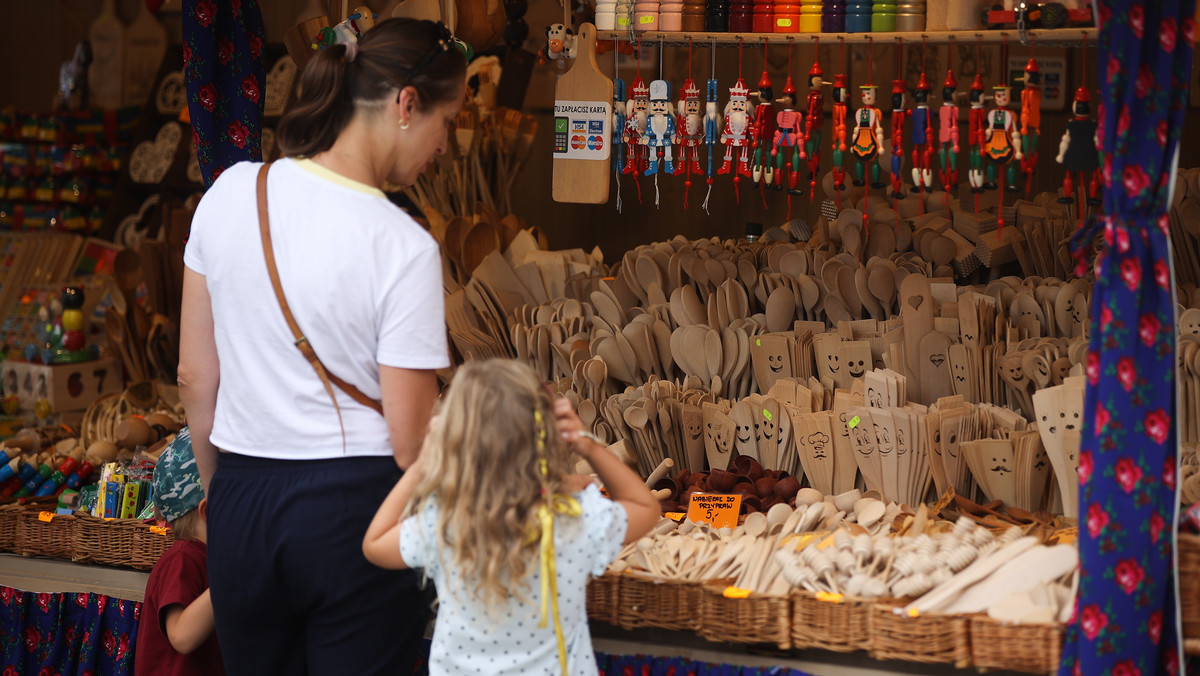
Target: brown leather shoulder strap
x: 328, y: 379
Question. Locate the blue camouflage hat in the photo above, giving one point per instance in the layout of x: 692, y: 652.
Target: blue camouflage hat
x: 177, y: 488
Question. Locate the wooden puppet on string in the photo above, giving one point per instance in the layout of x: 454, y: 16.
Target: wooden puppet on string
x: 689, y: 124
x: 948, y: 133
x: 635, y: 126
x: 660, y: 135
x: 763, y: 127
x: 736, y: 133
x: 815, y: 121
x: 899, y: 114
x: 977, y: 121
x: 867, y: 138
x: 711, y: 134
x: 841, y: 94
x: 1031, y: 120
x: 787, y: 146
x: 922, y: 139
x: 1077, y: 151
x: 1002, y: 143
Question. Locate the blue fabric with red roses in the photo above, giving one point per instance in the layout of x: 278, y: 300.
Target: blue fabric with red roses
x: 1125, y: 621
x: 225, y: 77
x: 66, y: 633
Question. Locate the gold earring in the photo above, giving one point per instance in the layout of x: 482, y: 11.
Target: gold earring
x: 404, y: 124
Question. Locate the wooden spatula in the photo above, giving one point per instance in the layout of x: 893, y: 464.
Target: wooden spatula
x: 583, y: 127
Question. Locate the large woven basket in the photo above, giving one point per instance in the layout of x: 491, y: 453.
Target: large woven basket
x: 603, y: 598
x: 1189, y: 584
x: 839, y: 626
x: 10, y: 512
x: 1034, y: 648
x: 758, y: 618
x: 43, y: 533
x: 131, y: 543
x: 928, y: 638
x: 648, y: 601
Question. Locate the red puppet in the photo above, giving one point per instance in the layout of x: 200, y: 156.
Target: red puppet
x: 738, y: 127
x: 948, y: 133
x: 764, y: 129
x: 899, y: 115
x: 637, y: 155
x: 922, y: 139
x: 689, y: 124
x: 841, y: 93
x: 789, y: 136
x: 813, y: 125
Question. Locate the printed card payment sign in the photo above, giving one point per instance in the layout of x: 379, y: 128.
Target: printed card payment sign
x: 582, y: 130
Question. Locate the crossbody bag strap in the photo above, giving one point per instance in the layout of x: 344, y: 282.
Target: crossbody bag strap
x: 328, y: 379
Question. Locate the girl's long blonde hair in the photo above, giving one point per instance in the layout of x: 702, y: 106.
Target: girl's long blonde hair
x: 483, y: 471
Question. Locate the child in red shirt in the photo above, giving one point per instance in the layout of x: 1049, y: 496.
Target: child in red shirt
x: 176, y: 636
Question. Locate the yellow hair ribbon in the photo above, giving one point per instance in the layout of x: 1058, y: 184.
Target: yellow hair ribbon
x: 567, y: 506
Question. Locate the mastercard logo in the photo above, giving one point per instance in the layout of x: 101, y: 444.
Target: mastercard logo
x: 578, y: 141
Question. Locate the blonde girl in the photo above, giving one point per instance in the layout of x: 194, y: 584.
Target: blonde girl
x: 507, y: 535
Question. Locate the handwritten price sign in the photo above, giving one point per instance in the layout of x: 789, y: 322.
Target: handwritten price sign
x: 719, y: 510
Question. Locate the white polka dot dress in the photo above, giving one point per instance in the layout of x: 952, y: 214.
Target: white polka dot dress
x: 466, y: 640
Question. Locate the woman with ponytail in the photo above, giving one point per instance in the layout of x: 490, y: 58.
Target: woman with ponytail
x: 312, y: 328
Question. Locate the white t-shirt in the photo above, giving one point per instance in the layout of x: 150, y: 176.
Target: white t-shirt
x: 467, y: 640
x: 364, y: 282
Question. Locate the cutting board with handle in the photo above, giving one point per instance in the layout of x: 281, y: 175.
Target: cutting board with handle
x: 583, y: 127
x: 145, y: 45
x: 107, y: 35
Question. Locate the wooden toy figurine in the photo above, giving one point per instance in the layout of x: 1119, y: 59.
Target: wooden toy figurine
x: 660, y: 135
x: 560, y: 45
x: 689, y: 124
x: 977, y: 118
x: 764, y: 129
x: 922, y: 139
x: 1077, y: 149
x: 948, y: 133
x: 1003, y: 141
x: 868, y: 138
x: 736, y: 133
x: 787, y: 147
x: 899, y: 114
x: 841, y: 93
x: 635, y: 126
x: 813, y: 125
x: 1031, y: 120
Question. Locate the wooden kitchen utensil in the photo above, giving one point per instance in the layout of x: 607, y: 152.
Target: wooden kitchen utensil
x: 583, y: 180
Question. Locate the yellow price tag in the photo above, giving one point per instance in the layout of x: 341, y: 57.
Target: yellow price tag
x: 623, y: 21
x: 646, y: 19
x: 784, y: 23
x: 46, y: 516
x: 675, y: 516
x: 736, y: 593
x: 913, y: 612
x: 853, y: 422
x: 829, y: 597
x: 767, y: 414
x: 160, y: 530
x: 758, y: 342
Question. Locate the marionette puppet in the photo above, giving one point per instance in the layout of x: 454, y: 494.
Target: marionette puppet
x: 1077, y: 150
x: 787, y: 146
x: 977, y: 118
x: 1002, y: 143
x: 763, y: 130
x: 922, y: 139
x: 1031, y: 120
x: 868, y: 138
x: 898, y: 117
x: 618, y: 125
x: 689, y: 124
x: 841, y: 94
x: 635, y: 126
x: 948, y: 133
x: 660, y: 135
x: 736, y: 132
x: 813, y: 125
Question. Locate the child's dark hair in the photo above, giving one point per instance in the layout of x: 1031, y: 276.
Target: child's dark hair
x: 396, y: 53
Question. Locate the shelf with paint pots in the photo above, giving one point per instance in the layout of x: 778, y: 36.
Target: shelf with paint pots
x: 1072, y: 37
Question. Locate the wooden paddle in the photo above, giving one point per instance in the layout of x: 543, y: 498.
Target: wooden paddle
x: 582, y: 96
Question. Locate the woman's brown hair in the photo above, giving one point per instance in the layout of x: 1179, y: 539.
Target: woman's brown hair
x: 396, y: 53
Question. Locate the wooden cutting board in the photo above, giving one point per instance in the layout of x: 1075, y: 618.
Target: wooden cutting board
x: 145, y: 45
x: 583, y: 127
x: 107, y: 35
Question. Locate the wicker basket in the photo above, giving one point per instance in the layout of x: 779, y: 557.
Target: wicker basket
x: 1189, y: 584
x: 603, y: 598
x: 131, y: 543
x: 44, y: 533
x: 928, y: 638
x: 757, y: 618
x: 843, y: 626
x: 648, y: 601
x: 10, y: 512
x: 1035, y: 648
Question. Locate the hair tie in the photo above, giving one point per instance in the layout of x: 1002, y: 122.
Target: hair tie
x: 351, y: 51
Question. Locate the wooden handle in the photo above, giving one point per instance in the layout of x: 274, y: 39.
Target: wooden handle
x: 660, y: 471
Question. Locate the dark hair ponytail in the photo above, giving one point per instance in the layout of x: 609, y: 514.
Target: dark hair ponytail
x: 396, y: 53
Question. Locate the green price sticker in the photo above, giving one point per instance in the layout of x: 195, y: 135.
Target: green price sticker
x: 853, y: 422
x: 767, y: 414
x: 758, y: 342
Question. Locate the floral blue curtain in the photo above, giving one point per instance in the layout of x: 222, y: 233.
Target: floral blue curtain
x: 1125, y: 620
x: 226, y: 81
x: 66, y: 633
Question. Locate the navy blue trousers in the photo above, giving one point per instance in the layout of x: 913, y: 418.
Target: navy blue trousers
x: 291, y: 590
